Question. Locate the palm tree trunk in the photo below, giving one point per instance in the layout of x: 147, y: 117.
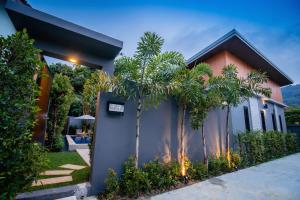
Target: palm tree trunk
x: 204, y: 146
x: 182, y: 130
x: 227, y: 135
x: 137, y: 137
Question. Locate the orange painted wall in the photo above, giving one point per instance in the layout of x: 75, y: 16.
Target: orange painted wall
x: 43, y: 101
x: 225, y: 58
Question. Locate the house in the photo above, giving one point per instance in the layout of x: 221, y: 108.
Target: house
x: 59, y: 39
x: 257, y: 113
x: 160, y: 127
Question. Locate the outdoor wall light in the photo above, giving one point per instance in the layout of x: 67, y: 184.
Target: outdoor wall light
x: 115, y: 108
x: 73, y: 60
x: 265, y: 106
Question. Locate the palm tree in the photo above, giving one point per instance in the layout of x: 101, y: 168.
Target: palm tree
x: 233, y: 90
x: 146, y: 76
x: 199, y: 112
x: 191, y: 94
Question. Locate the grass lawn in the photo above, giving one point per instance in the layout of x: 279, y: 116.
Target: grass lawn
x: 60, y: 158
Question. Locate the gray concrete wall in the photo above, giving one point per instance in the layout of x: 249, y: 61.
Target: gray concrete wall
x: 6, y: 26
x: 114, y: 140
x: 238, y: 119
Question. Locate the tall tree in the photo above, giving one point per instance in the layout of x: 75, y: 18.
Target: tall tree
x: 61, y: 98
x: 234, y: 89
x: 145, y: 76
x: 191, y: 95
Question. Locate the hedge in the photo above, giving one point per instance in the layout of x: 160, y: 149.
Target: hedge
x: 257, y: 147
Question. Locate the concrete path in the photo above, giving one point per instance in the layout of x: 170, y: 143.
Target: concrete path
x: 85, y: 155
x: 278, y: 179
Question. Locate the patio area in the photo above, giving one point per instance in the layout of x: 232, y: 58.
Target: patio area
x: 278, y: 179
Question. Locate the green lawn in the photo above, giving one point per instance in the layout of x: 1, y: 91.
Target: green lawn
x: 60, y: 158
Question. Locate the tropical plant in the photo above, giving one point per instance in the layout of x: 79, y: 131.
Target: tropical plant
x: 99, y: 81
x: 191, y: 94
x: 112, y: 183
x: 146, y: 76
x: 21, y: 159
x: 233, y: 90
x: 61, y: 98
x: 134, y: 180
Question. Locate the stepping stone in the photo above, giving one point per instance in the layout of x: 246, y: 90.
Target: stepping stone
x: 48, y: 181
x: 74, y: 167
x: 56, y: 172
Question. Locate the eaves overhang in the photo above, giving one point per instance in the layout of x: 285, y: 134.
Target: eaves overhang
x: 236, y: 44
x: 58, y: 37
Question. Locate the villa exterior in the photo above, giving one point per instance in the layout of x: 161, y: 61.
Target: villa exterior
x: 114, y: 139
x: 258, y: 113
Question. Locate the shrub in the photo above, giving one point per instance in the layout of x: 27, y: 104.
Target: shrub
x: 256, y: 147
x: 291, y: 142
x: 217, y: 166
x: 198, y: 171
x: 21, y: 160
x: 134, y: 180
x: 251, y: 148
x: 274, y: 145
x: 112, y: 185
x: 235, y: 160
x: 162, y: 176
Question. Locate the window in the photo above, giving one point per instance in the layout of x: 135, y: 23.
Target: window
x: 280, y: 123
x: 246, y: 117
x: 263, y: 120
x: 274, y: 122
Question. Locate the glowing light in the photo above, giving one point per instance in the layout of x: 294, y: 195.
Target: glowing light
x: 73, y: 60
x: 183, y: 171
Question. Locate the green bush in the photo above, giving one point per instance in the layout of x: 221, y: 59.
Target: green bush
x: 112, y: 185
x: 235, y: 160
x: 251, y: 148
x: 161, y: 176
x: 274, y: 145
x: 257, y: 147
x: 21, y: 159
x: 134, y: 181
x: 198, y: 171
x: 291, y: 143
x: 217, y: 166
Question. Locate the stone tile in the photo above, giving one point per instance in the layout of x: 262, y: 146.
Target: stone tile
x: 56, y: 172
x: 48, y: 181
x: 71, y: 166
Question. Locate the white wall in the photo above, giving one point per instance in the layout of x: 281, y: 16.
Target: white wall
x: 6, y: 26
x: 255, y: 113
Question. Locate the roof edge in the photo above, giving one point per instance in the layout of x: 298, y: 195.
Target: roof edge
x: 62, y: 23
x: 229, y: 35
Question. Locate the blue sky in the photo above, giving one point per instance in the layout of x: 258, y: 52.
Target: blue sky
x: 189, y: 26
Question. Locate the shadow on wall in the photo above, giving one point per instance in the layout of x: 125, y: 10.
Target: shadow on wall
x: 160, y: 137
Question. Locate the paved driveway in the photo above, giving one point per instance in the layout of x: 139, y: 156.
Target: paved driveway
x: 278, y: 179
